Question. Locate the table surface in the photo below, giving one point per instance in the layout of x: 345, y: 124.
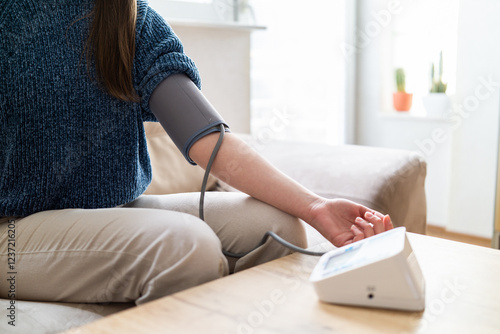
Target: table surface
x: 462, y: 296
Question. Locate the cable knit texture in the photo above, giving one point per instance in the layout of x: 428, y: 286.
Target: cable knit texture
x: 64, y: 142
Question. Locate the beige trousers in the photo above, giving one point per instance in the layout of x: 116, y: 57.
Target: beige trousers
x: 149, y: 248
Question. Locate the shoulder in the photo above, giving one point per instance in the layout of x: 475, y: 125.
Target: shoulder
x: 148, y: 19
x: 152, y: 32
x: 142, y: 11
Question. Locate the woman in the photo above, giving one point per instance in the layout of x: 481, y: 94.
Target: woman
x: 78, y: 79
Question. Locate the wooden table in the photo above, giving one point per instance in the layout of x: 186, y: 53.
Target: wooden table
x: 462, y: 296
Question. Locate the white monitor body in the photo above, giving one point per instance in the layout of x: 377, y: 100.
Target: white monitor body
x: 380, y: 271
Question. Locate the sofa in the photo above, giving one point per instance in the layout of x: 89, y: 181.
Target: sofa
x: 390, y: 181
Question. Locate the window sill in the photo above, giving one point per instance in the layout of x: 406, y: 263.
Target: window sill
x: 212, y: 24
x: 412, y: 116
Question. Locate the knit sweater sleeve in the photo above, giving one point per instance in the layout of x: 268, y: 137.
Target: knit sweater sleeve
x: 159, y: 54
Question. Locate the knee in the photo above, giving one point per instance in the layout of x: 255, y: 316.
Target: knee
x: 181, y: 255
x: 284, y: 225
x: 287, y: 227
x: 291, y: 229
x: 203, y: 250
x: 198, y: 248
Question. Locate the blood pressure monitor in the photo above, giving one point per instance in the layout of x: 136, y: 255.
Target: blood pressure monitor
x: 380, y: 271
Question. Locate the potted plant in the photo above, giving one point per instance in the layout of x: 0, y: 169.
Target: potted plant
x: 437, y: 103
x: 402, y: 100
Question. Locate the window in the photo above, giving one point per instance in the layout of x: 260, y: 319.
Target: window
x: 299, y: 70
x: 298, y: 63
x: 420, y: 32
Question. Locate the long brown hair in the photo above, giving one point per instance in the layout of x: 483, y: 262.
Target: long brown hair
x: 111, y: 44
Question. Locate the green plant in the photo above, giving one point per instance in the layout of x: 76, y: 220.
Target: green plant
x: 400, y: 80
x: 437, y: 84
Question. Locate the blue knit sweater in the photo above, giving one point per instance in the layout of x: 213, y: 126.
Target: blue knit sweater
x: 65, y: 143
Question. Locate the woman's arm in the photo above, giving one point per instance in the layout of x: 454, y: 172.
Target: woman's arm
x: 340, y: 221
x: 190, y: 119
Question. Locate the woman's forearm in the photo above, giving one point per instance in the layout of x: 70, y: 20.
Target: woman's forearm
x: 244, y: 169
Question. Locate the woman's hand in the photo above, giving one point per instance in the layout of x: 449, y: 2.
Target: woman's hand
x: 343, y: 222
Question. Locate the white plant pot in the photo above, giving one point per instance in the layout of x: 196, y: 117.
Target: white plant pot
x: 437, y: 104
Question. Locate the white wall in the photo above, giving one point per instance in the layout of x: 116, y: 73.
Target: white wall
x: 461, y: 153
x: 476, y: 139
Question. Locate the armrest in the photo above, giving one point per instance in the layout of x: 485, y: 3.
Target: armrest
x: 387, y: 180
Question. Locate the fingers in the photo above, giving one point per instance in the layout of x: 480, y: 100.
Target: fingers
x: 376, y: 213
x: 388, y: 223
x: 365, y: 227
x: 373, y: 223
x: 377, y: 221
x: 358, y: 234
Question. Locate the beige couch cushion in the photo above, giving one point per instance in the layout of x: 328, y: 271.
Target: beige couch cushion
x: 171, y: 172
x: 388, y: 180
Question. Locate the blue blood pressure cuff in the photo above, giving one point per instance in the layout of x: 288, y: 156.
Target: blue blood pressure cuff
x: 184, y: 112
